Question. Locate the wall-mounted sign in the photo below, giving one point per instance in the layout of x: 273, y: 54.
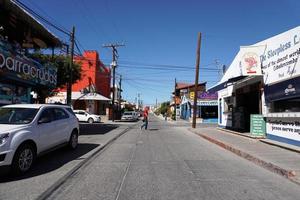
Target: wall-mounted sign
x: 283, y: 90
x: 288, y: 128
x: 250, y: 62
x: 20, y: 67
x: 192, y: 94
x: 280, y: 60
x: 207, y: 95
x: 208, y: 103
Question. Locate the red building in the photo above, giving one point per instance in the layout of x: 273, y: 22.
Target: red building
x: 92, y: 91
x: 95, y: 76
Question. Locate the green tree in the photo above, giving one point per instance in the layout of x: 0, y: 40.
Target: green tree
x: 164, y: 108
x: 62, y: 64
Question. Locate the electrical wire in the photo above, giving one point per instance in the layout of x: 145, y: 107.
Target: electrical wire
x: 35, y: 14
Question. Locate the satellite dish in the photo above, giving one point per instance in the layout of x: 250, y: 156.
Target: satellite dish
x: 39, y: 42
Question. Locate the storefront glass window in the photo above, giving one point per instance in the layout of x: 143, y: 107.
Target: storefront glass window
x: 289, y: 105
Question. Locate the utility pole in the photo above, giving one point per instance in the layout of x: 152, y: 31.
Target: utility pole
x: 69, y: 85
x: 175, y: 108
x: 120, y: 97
x: 114, y: 65
x: 139, y: 101
x: 196, y: 80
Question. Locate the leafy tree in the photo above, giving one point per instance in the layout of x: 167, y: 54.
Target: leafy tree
x: 62, y: 64
x: 164, y: 108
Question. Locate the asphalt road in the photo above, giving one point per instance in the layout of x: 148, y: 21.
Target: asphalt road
x: 51, y: 167
x: 168, y: 162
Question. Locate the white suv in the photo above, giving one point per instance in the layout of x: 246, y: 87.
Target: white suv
x: 28, y: 130
x: 130, y: 116
x: 85, y: 116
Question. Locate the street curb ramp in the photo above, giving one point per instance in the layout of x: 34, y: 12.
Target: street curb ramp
x: 64, y: 178
x: 289, y: 174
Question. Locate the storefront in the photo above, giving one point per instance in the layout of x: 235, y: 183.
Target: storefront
x: 282, y: 87
x: 207, y: 107
x: 272, y: 95
x: 92, y: 102
x: 19, y: 74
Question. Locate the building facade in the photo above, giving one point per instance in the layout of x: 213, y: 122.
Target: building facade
x: 266, y: 100
x: 207, y: 106
x: 92, y: 91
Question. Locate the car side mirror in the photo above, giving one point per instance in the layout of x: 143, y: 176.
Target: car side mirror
x: 44, y: 120
x: 86, y: 114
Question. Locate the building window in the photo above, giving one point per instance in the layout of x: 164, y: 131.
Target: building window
x: 289, y: 105
x: 228, y: 104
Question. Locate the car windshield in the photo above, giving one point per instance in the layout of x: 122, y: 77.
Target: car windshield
x: 17, y: 115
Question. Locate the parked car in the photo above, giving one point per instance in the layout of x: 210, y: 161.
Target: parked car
x: 130, y: 116
x: 29, y: 130
x: 85, y: 116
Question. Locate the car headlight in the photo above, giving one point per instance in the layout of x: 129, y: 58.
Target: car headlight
x: 3, y: 138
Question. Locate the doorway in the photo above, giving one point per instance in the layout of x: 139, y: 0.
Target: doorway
x: 247, y: 103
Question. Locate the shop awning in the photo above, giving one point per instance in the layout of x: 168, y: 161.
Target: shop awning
x: 223, y: 85
x: 88, y: 96
x: 39, y: 34
x: 283, y: 90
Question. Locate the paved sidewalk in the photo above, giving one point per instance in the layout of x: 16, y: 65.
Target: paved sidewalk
x: 278, y: 160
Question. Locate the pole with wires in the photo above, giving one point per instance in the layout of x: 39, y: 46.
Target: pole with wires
x: 120, y: 96
x: 196, y: 80
x: 175, y: 104
x: 113, y: 66
x: 69, y: 87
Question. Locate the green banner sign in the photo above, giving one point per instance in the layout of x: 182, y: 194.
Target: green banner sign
x: 258, y: 125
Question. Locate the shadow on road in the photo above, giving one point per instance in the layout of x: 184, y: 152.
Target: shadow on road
x: 153, y: 129
x: 51, y: 162
x: 93, y: 129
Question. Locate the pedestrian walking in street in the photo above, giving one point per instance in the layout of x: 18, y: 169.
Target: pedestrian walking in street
x: 145, y: 119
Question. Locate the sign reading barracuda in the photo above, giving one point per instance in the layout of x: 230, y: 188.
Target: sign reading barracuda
x: 21, y: 67
x: 280, y: 59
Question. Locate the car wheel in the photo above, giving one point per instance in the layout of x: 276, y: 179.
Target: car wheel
x: 90, y: 120
x: 73, y: 141
x: 23, y: 159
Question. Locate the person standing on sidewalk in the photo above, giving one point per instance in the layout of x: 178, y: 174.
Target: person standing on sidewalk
x: 145, y: 119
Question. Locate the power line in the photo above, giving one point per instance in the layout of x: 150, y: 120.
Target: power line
x: 88, y: 21
x: 77, y: 47
x: 183, y: 68
x: 22, y: 5
x: 45, y: 13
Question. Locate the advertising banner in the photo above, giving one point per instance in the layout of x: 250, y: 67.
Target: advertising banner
x: 283, y: 90
x: 17, y: 66
x: 287, y: 128
x: 280, y: 60
x: 250, y: 62
x: 207, y: 95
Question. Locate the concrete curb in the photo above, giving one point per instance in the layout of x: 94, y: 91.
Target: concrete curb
x: 280, y: 146
x: 64, y: 178
x: 240, y: 134
x: 289, y: 174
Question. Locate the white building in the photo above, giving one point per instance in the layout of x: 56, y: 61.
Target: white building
x: 264, y: 79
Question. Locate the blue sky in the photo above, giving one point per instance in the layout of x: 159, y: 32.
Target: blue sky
x: 164, y: 32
